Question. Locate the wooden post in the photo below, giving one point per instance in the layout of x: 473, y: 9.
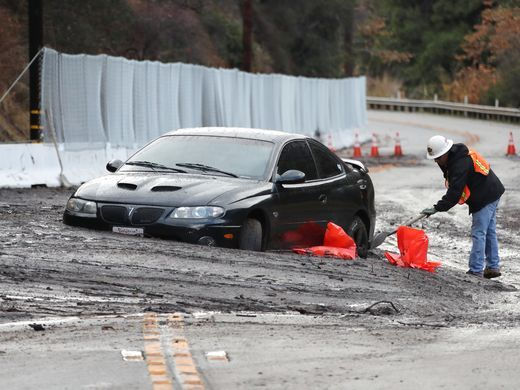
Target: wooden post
x: 35, y: 44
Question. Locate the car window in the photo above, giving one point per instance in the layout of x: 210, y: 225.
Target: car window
x: 243, y: 157
x: 328, y: 165
x: 296, y: 155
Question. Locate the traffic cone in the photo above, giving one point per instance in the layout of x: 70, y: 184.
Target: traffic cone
x: 398, y: 152
x: 329, y: 143
x: 511, y: 150
x: 357, y: 147
x: 374, y: 151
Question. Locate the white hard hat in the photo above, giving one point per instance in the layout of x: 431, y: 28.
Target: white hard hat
x: 437, y: 146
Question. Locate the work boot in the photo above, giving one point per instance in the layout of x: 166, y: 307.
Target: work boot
x: 490, y: 273
x: 477, y: 274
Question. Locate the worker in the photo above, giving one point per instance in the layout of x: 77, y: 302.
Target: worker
x: 469, y: 179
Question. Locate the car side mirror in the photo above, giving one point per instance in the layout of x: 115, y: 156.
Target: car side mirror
x: 292, y: 176
x: 114, y: 165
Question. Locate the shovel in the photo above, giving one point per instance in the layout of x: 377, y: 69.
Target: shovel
x: 381, y: 237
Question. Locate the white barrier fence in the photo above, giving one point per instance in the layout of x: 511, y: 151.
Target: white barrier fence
x: 32, y: 164
x: 99, y: 107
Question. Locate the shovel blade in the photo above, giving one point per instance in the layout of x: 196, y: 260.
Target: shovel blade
x: 379, y: 239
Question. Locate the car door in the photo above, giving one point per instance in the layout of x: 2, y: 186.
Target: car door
x: 343, y: 196
x: 297, y: 209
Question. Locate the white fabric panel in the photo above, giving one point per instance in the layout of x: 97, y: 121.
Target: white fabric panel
x: 323, y: 104
x: 81, y: 112
x: 190, y: 96
x: 118, y: 86
x: 211, y: 110
x: 50, y: 98
x: 226, y: 81
x: 99, y: 100
x: 152, y: 99
x: 288, y: 104
x: 172, y: 98
x: 140, y: 107
x: 258, y: 108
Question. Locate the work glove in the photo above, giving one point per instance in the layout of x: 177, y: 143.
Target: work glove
x: 429, y: 211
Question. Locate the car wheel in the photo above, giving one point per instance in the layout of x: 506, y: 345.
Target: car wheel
x: 358, y: 232
x: 251, y: 235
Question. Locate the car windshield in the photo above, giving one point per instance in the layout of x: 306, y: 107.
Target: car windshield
x: 225, y: 156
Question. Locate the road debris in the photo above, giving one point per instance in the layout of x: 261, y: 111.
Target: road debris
x: 37, y: 327
x: 132, y: 356
x: 217, y: 356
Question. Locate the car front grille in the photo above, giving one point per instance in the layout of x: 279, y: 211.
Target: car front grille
x: 146, y: 215
x: 125, y: 215
x: 114, y: 214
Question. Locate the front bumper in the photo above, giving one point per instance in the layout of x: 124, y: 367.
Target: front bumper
x: 224, y: 232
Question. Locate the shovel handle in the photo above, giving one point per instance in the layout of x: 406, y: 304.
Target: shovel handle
x: 410, y: 222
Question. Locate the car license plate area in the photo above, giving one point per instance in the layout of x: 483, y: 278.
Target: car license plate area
x: 130, y: 231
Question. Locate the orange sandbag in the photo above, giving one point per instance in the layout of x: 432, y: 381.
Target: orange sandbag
x: 328, y: 251
x: 336, y: 242
x: 335, y: 236
x: 413, y: 246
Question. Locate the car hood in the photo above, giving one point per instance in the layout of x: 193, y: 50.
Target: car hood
x: 169, y: 189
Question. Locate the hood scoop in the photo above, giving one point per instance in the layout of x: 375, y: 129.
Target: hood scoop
x: 165, y: 188
x: 127, y: 186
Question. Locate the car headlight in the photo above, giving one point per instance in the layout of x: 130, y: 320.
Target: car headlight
x: 82, y: 208
x: 198, y: 212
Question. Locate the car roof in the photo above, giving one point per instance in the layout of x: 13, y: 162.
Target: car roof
x: 240, y: 132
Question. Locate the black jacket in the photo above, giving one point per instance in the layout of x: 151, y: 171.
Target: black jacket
x: 459, y: 173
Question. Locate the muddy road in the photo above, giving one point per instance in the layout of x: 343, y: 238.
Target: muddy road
x: 284, y: 320
x: 51, y: 269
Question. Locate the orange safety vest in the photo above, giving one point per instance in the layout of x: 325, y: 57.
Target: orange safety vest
x: 480, y: 165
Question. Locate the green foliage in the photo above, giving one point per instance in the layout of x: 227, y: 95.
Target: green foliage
x: 16, y: 6
x: 306, y: 40
x: 507, y: 89
x: 432, y: 32
x: 226, y: 35
x: 414, y: 43
x: 94, y: 26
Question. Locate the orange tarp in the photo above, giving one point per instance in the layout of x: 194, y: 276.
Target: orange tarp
x: 413, y: 248
x: 336, y: 243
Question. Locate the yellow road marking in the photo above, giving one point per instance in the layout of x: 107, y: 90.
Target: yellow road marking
x: 184, y: 364
x: 154, y: 356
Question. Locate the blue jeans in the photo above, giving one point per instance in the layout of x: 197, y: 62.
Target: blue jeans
x: 484, y: 236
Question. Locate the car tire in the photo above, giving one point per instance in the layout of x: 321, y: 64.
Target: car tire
x: 251, y: 235
x: 358, y: 232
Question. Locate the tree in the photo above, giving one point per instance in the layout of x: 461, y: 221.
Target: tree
x: 417, y: 40
x: 490, y: 62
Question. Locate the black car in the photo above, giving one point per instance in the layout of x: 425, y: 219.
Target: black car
x: 231, y: 187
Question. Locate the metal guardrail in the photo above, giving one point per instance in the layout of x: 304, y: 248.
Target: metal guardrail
x: 440, y: 107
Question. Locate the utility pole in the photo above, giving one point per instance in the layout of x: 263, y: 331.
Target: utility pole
x: 247, y: 34
x: 35, y: 8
